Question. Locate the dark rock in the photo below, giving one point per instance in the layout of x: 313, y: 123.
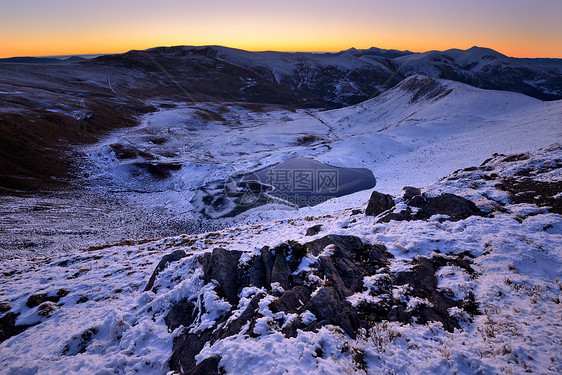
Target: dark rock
x: 256, y: 275
x: 410, y: 192
x: 209, y: 366
x: 346, y: 244
x: 329, y: 309
x: 181, y: 314
x: 4, y: 306
x: 313, y: 230
x: 344, y: 275
x: 378, y: 203
x: 8, y: 327
x: 223, y: 267
x: 398, y: 314
x: 268, y: 259
x: 281, y: 272
x: 379, y: 255
x: 235, y: 326
x: 457, y: 208
x: 293, y: 251
x: 422, y: 278
x: 39, y: 298
x: 173, y: 257
x: 292, y: 300
x: 186, y: 347
x: 396, y: 216
x: 78, y: 344
x: 355, y: 212
x: 46, y: 309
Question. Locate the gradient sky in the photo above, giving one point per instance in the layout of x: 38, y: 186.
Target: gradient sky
x: 62, y: 27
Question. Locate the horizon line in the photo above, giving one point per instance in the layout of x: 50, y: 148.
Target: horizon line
x: 97, y: 54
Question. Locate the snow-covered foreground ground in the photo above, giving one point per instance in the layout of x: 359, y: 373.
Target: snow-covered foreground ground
x: 96, y: 318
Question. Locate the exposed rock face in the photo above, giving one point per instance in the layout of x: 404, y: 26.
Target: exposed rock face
x: 342, y: 263
x: 378, y: 203
x: 222, y: 267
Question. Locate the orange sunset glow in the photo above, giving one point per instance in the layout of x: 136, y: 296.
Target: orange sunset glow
x: 516, y: 28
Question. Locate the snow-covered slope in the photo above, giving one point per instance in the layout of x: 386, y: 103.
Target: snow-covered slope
x: 89, y: 313
x: 414, y: 133
x: 486, y: 68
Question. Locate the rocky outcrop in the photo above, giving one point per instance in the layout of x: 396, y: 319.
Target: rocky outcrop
x: 419, y: 206
x: 339, y: 266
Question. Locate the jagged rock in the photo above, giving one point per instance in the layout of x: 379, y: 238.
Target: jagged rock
x: 256, y: 274
x: 343, y: 268
x: 329, y: 309
x: 236, y: 325
x: 281, y: 272
x: 186, y: 347
x: 313, y: 230
x: 379, y: 255
x: 378, y: 203
x: 409, y: 192
x: 209, y: 366
x: 181, y: 314
x: 222, y: 266
x: 345, y: 276
x: 346, y: 244
x: 292, y: 300
x: 422, y: 278
x: 268, y: 259
x: 173, y: 257
x: 293, y: 251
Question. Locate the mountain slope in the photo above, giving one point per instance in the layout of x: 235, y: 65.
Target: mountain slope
x: 358, y: 296
x: 488, y: 69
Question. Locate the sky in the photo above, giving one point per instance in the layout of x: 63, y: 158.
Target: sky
x: 519, y: 28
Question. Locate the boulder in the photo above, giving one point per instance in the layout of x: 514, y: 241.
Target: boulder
x: 455, y: 207
x: 313, y: 230
x: 378, y: 203
x: 39, y: 298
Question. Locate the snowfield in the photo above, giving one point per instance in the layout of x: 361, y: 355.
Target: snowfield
x: 95, y: 316
x: 412, y: 134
